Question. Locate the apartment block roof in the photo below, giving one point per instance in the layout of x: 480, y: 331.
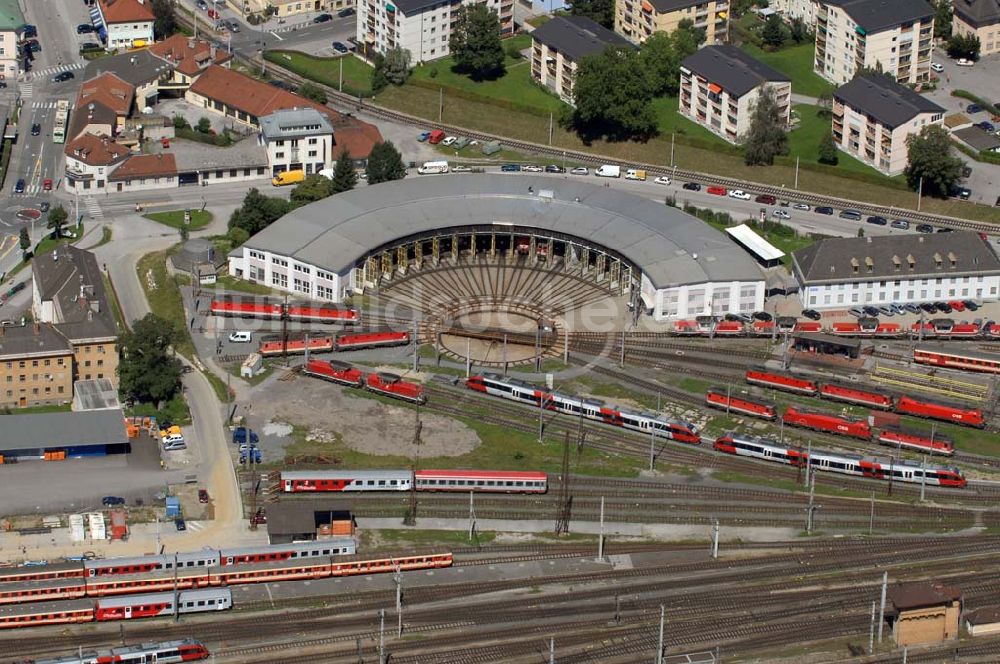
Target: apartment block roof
x: 885, y: 100
x: 160, y: 164
x: 109, y: 90
x: 92, y: 427
x: 96, y: 150
x: 731, y: 69
x: 878, y: 15
x: 34, y: 339
x: 839, y: 260
x: 667, y: 6
x: 295, y: 123
x: 977, y: 13
x: 577, y: 36
x: 188, y: 55
x: 410, y: 7
x: 71, y: 279
x: 126, y: 11
x: 137, y: 67
x: 11, y: 17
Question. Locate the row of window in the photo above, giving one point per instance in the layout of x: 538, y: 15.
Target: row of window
x: 538, y: 484
x: 35, y: 363
x: 48, y: 390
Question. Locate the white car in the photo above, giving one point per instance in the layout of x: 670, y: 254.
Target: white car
x: 936, y: 66
x: 580, y: 170
x: 532, y: 169
x: 449, y: 140
x: 461, y: 169
x: 962, y: 62
x: 740, y: 194
x: 802, y: 206
x: 663, y: 179
x: 780, y: 214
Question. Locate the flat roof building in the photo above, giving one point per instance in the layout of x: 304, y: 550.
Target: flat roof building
x: 303, y: 520
x: 766, y: 253
x: 63, y: 435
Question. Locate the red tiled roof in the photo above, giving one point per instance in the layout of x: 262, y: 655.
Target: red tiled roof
x: 189, y: 56
x: 125, y: 11
x: 258, y: 99
x: 146, y: 166
x: 919, y: 594
x: 107, y: 90
x: 96, y: 150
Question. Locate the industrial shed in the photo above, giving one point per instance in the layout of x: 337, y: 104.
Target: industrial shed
x: 57, y: 436
x: 307, y: 520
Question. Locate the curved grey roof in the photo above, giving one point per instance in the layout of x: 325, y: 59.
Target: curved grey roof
x: 671, y: 247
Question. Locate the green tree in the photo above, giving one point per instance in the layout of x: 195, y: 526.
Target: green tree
x: 773, y: 33
x: 598, y: 11
x: 180, y: 122
x: 699, y: 34
x: 963, y: 46
x: 661, y: 56
x: 164, y: 23
x: 312, y: 92
x: 57, y: 219
x: 827, y: 150
x: 385, y: 163
x: 612, y: 96
x: 942, y: 19
x: 344, y: 175
x: 204, y: 125
x: 930, y: 159
x: 766, y: 137
x: 257, y: 212
x: 379, y: 80
x: 799, y: 31
x: 237, y: 236
x: 147, y: 371
x: 475, y: 42
x: 825, y: 103
x: 24, y: 240
x: 397, y: 65
x: 313, y: 188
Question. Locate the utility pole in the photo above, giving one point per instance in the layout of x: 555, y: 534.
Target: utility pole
x: 871, y: 516
x: 671, y: 149
x: 659, y: 647
x: 652, y: 438
x: 468, y: 357
x: 416, y: 343
x: 621, y: 359
x: 881, y: 612
x: 552, y: 651
x: 811, y: 508
x: 472, y: 517
x: 398, y: 576
x: 920, y: 192
x: 381, y: 634
x: 503, y: 354
x: 871, y: 632
x: 715, y: 540
x: 618, y: 609
x: 440, y: 104
x: 340, y: 83
x: 796, y: 173
x: 541, y: 410
x: 550, y: 128
x: 177, y: 592
x: 600, y: 538
x: 565, y: 499
x: 411, y: 515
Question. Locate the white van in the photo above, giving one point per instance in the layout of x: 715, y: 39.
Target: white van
x: 174, y: 442
x: 240, y: 337
x: 608, y: 171
x: 432, y: 167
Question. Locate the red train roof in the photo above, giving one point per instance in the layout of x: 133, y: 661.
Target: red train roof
x: 483, y: 474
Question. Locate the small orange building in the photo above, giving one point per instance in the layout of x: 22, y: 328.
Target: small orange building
x: 923, y: 612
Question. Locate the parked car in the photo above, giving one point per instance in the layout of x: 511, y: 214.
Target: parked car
x: 580, y: 170
x: 870, y: 310
x: 323, y: 18
x: 945, y: 230
x: 19, y: 186
x: 878, y: 221
x: 928, y: 307
x: 692, y: 186
x: 424, y: 135
x: 448, y: 141
x: 925, y: 228
x: 766, y: 199
x: 943, y: 307
x: 340, y: 48
x: 781, y: 214
x: 801, y: 206
x: 85, y: 29
x: 32, y: 46
x: 717, y: 190
x: 971, y: 305
x: 179, y: 524
x: 63, y: 76
x: 740, y: 194
x: 233, y: 25
x: 531, y: 168
x: 957, y: 305
x: 29, y: 31
x: 964, y: 62
x: 912, y: 308
x: 966, y: 171
x: 89, y: 46
x: 973, y: 108
x: 202, y: 496
x: 986, y: 126
x: 663, y: 179
x: 47, y: 184
x: 763, y: 315
x: 112, y: 501
x: 901, y: 224
x: 36, y: 129
x: 461, y: 169
x: 886, y: 310
x: 823, y: 209
x: 510, y: 168
x: 43, y: 206
x: 853, y: 215
x: 202, y: 5
x: 553, y: 168
x: 284, y: 85
x: 857, y: 312
x: 347, y: 11
x: 811, y: 314
x: 936, y: 66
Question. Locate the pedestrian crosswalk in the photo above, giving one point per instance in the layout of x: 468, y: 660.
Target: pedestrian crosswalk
x: 39, y: 105
x: 93, y: 208
x: 194, y: 525
x: 26, y: 89
x: 48, y: 71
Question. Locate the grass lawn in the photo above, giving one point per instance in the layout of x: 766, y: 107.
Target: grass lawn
x: 231, y: 283
x: 164, y: 297
x: 175, y: 219
x: 49, y: 243
x: 804, y: 142
x: 796, y: 62
x: 34, y: 410
x: 394, y: 538
x: 115, y: 310
x: 357, y: 73
x: 670, y: 121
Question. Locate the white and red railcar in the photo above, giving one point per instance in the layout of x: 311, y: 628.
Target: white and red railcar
x: 371, y: 340
x: 962, y: 360
x: 320, y: 481
x: 153, y: 605
x: 168, y: 652
x: 717, y: 397
x: 482, y: 481
x: 781, y: 381
x: 917, y: 441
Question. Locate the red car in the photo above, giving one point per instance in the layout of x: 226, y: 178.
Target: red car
x: 717, y: 190
x: 202, y: 496
x: 47, y: 184
x: 957, y: 305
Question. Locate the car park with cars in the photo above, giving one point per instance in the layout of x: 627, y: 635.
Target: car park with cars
x: 801, y: 206
x: 901, y: 224
x: 766, y: 199
x: 112, y: 501
x: 511, y: 168
x: 964, y: 62
x: 692, y: 186
x: 341, y: 48
x: 663, y: 179
x: 876, y: 220
x: 853, y: 215
x: 823, y: 209
x: 925, y: 228
x: 740, y: 194
x: 580, y: 170
x: 811, y: 314
x: 553, y: 168
x: 781, y: 214
x: 85, y: 29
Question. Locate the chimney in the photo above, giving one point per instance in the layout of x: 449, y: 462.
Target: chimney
x: 191, y: 43
x: 213, y: 50
x: 896, y: 263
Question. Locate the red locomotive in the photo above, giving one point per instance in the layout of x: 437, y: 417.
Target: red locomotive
x: 245, y: 307
x: 827, y: 423
x: 920, y: 442
x: 335, y: 372
x: 855, y: 395
x: 394, y: 386
x: 717, y: 397
x: 272, y: 347
x: 781, y: 381
x: 372, y: 340
x: 972, y: 417
x: 807, y: 326
x: 326, y: 313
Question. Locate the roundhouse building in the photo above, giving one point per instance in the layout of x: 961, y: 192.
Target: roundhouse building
x: 670, y: 263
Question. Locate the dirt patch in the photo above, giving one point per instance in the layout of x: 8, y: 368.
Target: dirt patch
x: 331, y: 413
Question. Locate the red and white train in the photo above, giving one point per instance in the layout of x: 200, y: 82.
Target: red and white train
x: 480, y: 481
x: 106, y: 609
x: 726, y: 400
x: 371, y: 340
x: 845, y: 464
x: 591, y: 409
x: 938, y: 328
x: 246, y: 307
x: 384, y: 383
x: 167, y: 652
x: 960, y: 359
x: 917, y: 441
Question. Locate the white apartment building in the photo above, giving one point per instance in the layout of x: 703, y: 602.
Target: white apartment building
x: 800, y: 9
x: 559, y: 44
x: 896, y: 36
x: 295, y: 139
x: 705, y: 299
x: 11, y: 29
x: 839, y: 273
x: 980, y: 18
x: 423, y: 27
x: 128, y: 23
x: 873, y: 117
x: 90, y: 160
x: 638, y: 19
x: 720, y: 86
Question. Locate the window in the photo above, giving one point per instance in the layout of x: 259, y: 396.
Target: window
x: 279, y: 279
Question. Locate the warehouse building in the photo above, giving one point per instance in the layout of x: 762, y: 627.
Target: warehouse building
x: 308, y: 520
x: 839, y: 273
x: 58, y: 436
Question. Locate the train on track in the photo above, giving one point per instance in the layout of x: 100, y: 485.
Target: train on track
x: 937, y: 328
x: 869, y: 397
x: 480, y: 481
x: 104, y: 609
x: 591, y: 409
x: 387, y: 384
x: 844, y: 464
x: 166, y: 652
x: 273, y: 346
x: 957, y: 358
x: 296, y: 312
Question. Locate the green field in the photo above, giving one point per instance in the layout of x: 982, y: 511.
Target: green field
x: 175, y: 219
x: 803, y: 143
x: 357, y: 73
x: 795, y: 62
